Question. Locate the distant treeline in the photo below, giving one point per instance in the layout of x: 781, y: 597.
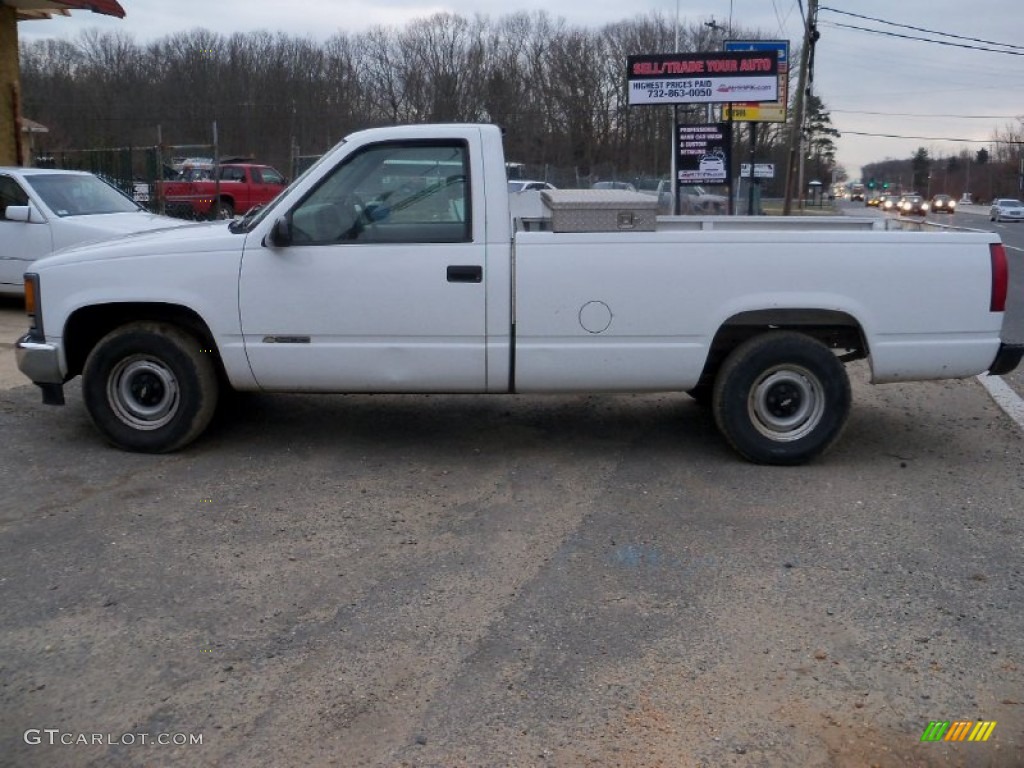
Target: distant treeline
x: 557, y: 89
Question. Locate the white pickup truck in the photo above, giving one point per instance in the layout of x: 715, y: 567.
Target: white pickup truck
x: 394, y: 265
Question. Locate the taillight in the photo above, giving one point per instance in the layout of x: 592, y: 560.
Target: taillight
x: 1000, y: 278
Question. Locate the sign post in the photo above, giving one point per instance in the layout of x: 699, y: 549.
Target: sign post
x: 753, y: 113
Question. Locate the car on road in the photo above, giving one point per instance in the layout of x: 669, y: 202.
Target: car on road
x: 1006, y: 209
x: 522, y: 185
x: 44, y: 210
x: 943, y: 204
x: 888, y: 203
x: 913, y: 205
x: 873, y: 200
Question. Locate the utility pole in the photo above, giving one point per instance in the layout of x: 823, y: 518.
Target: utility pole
x: 674, y: 134
x: 797, y: 133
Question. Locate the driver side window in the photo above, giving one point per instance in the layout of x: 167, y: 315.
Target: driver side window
x: 395, y: 192
x: 11, y: 193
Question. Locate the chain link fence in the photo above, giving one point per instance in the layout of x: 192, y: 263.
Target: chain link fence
x: 133, y: 170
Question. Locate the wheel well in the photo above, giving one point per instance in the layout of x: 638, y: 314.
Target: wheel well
x: 836, y: 330
x: 86, y: 326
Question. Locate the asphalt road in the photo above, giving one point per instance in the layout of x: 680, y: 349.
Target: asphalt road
x: 503, y: 581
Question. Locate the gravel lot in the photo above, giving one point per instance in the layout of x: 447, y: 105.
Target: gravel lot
x: 500, y: 581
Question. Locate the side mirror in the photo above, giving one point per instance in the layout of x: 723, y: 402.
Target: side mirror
x: 20, y: 213
x: 281, y: 234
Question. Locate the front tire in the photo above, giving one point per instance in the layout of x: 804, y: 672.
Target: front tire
x: 150, y: 387
x: 781, y: 398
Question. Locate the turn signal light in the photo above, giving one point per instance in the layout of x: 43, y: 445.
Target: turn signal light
x: 31, y: 296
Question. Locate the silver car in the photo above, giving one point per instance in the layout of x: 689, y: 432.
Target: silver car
x: 523, y: 185
x: 1006, y: 209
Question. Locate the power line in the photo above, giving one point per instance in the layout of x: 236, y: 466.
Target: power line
x: 922, y: 29
x: 914, y: 114
x: 930, y: 138
x: 924, y: 39
x: 778, y: 18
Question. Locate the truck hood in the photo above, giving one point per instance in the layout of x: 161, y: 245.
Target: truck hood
x: 205, y: 237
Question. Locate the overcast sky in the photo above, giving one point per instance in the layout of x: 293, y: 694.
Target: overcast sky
x: 871, y: 83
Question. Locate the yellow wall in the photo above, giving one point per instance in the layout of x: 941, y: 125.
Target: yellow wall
x: 8, y: 84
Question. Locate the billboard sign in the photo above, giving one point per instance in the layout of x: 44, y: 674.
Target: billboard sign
x: 762, y: 112
x: 703, y: 153
x: 703, y: 78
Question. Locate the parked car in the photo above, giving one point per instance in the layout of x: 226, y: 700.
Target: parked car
x: 197, y: 193
x: 943, y: 204
x: 44, y: 210
x: 1006, y: 209
x: 693, y: 199
x: 913, y: 204
x: 521, y: 185
x: 625, y: 185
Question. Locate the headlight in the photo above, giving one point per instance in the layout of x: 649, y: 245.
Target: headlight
x: 924, y: 206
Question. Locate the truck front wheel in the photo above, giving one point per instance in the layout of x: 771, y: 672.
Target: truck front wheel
x: 781, y: 398
x: 150, y: 387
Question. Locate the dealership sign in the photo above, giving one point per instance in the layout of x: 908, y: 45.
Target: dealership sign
x: 703, y: 78
x: 703, y: 153
x: 761, y: 112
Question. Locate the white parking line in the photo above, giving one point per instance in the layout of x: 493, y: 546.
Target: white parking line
x: 1005, y: 397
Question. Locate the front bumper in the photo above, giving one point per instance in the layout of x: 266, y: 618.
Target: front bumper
x: 1007, y: 359
x: 41, y: 362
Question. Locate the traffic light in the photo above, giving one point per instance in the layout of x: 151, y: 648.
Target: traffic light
x: 885, y: 185
x: 871, y: 184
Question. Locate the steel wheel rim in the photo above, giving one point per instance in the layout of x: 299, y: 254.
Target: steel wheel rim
x: 786, y: 403
x: 143, y: 392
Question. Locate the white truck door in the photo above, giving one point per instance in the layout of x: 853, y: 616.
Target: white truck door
x: 23, y: 241
x: 381, y: 288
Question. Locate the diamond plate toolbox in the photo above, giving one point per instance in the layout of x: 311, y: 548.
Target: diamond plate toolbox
x: 600, y: 210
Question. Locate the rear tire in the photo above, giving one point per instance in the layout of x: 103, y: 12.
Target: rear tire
x: 150, y: 387
x: 781, y: 398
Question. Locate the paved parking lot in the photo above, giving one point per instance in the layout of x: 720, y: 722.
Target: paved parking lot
x: 501, y: 581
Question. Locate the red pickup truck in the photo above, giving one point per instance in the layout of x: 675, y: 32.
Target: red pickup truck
x: 236, y: 186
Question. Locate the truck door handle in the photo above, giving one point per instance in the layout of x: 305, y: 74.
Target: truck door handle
x: 467, y: 273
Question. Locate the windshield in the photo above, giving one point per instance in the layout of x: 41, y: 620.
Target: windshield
x: 258, y: 214
x: 80, y: 195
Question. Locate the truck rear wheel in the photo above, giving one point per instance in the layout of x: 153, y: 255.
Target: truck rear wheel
x: 781, y: 398
x: 149, y: 387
